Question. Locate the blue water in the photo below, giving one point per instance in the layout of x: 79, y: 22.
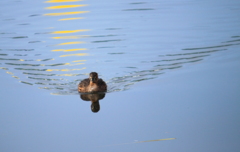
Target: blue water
x: 172, y: 69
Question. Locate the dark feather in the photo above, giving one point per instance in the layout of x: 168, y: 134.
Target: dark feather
x: 84, y: 83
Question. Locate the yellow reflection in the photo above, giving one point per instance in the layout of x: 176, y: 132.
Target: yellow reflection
x: 66, y: 32
x: 76, y: 64
x: 79, y: 61
x: 67, y: 74
x: 15, y: 77
x: 155, y: 140
x: 64, y: 70
x: 69, y: 64
x: 142, y: 141
x: 9, y: 72
x: 66, y: 13
x: 69, y: 50
x: 64, y: 6
x: 3, y: 68
x: 12, y: 75
x: 78, y: 54
x: 67, y: 43
x: 43, y: 59
x: 61, y: 1
x: 76, y: 18
x: 70, y: 37
x: 52, y: 93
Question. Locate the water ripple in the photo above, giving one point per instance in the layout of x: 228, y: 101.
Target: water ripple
x: 123, y: 45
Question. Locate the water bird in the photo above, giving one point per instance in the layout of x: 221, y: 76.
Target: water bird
x: 92, y: 84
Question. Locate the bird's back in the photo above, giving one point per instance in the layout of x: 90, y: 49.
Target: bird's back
x: 84, y: 84
x: 102, y: 85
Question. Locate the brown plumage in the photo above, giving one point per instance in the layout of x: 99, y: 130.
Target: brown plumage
x: 92, y: 84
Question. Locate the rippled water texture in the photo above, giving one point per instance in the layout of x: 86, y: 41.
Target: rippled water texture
x: 55, y: 44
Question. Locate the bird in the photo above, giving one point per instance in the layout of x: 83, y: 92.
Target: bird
x: 92, y: 84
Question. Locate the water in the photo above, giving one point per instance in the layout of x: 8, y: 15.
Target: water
x: 58, y: 43
x: 144, y: 50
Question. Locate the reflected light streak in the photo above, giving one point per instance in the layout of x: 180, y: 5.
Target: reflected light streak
x: 70, y: 37
x: 61, y: 1
x: 141, y: 142
x: 66, y: 32
x: 76, y: 18
x: 76, y: 64
x: 155, y: 140
x: 9, y: 73
x: 79, y: 61
x: 45, y: 59
x: 69, y: 75
x: 64, y: 70
x: 68, y: 43
x: 78, y: 54
x: 15, y: 77
x: 3, y: 68
x: 12, y: 75
x: 64, y: 6
x: 69, y: 50
x: 65, y: 13
x: 69, y: 64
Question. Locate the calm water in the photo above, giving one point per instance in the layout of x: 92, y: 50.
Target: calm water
x: 172, y: 68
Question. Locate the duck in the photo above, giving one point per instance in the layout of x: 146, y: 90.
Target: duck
x: 92, y: 84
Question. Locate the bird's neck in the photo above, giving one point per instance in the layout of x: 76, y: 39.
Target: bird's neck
x: 92, y: 83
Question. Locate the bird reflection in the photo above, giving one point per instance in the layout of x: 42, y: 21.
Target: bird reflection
x: 94, y: 98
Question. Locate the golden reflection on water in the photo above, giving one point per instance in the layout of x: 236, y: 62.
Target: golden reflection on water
x: 45, y: 59
x: 61, y: 1
x: 64, y: 6
x: 73, y: 18
x: 68, y: 75
x: 69, y: 50
x: 71, y: 37
x: 50, y: 70
x: 76, y: 64
x: 66, y: 13
x: 78, y: 54
x: 155, y: 140
x: 141, y: 142
x: 12, y: 74
x: 45, y: 74
x: 15, y: 77
x: 68, y: 37
x: 69, y: 31
x: 68, y: 43
x: 40, y: 75
x: 9, y: 72
x: 3, y: 68
x: 79, y: 61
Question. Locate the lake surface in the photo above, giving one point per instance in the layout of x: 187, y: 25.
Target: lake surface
x: 172, y: 69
